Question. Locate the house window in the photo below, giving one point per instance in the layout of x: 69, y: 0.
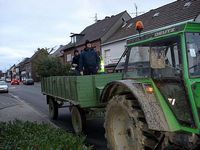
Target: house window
x: 107, y: 56
x: 73, y: 39
x: 156, y: 14
x: 68, y: 57
x: 187, y: 4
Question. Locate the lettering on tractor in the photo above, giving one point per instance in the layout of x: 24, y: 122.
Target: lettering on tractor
x: 164, y: 32
x: 153, y: 104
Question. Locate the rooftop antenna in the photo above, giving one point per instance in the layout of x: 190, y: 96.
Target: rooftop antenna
x: 136, y: 13
x: 136, y: 10
x: 95, y: 17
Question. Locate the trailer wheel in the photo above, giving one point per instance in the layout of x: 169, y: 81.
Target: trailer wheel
x: 78, y: 119
x: 53, y: 109
x: 126, y: 128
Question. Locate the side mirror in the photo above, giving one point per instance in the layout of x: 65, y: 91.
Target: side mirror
x: 157, y: 58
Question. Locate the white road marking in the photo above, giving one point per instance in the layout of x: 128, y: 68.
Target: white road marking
x: 13, y: 87
x: 16, y: 97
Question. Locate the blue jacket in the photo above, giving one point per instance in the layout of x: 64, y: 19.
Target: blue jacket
x: 89, y: 59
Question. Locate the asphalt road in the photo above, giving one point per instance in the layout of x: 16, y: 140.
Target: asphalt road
x: 32, y: 95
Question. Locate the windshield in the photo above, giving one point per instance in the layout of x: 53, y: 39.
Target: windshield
x: 2, y: 83
x: 155, y: 60
x: 193, y: 48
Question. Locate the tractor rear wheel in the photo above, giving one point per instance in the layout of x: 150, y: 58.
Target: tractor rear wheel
x: 78, y: 119
x: 53, y: 109
x: 125, y: 126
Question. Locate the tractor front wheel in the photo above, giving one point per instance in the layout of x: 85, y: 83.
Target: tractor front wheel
x: 125, y: 126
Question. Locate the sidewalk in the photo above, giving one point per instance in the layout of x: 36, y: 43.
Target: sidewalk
x: 12, y: 108
x: 37, y: 84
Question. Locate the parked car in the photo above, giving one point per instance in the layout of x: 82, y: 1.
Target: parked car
x: 8, y: 80
x: 28, y: 81
x: 3, y: 86
x: 15, y: 82
x: 2, y: 79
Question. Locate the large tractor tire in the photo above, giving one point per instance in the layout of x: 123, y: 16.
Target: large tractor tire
x: 126, y: 128
x: 53, y: 109
x: 78, y: 119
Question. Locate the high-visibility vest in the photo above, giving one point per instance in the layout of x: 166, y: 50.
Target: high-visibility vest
x: 102, y: 66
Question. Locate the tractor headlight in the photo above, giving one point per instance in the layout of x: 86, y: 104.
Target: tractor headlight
x: 148, y: 88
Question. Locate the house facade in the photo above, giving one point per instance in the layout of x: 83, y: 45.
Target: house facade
x: 96, y: 33
x: 25, y: 68
x: 174, y: 13
x: 10, y: 73
x: 111, y: 52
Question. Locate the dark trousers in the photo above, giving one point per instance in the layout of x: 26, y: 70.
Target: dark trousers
x: 90, y: 71
x: 77, y: 72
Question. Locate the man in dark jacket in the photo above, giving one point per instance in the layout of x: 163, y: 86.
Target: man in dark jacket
x: 75, y: 62
x: 89, y: 60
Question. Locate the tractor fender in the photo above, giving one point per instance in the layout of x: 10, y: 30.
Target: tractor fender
x: 152, y: 110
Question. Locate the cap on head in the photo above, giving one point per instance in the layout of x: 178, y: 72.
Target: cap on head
x: 86, y: 42
x: 75, y: 51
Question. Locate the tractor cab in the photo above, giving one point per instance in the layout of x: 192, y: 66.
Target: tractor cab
x: 169, y: 60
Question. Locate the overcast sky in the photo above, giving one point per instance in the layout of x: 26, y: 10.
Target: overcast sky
x: 26, y: 25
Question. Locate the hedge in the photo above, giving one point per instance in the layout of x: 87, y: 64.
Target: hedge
x: 18, y: 135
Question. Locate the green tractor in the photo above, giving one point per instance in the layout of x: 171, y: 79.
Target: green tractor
x: 157, y: 104
x: 153, y: 104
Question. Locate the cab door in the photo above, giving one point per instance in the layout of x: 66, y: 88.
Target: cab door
x: 193, y: 60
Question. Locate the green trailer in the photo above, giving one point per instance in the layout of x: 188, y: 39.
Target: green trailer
x: 153, y: 104
x: 78, y: 90
x: 82, y: 94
